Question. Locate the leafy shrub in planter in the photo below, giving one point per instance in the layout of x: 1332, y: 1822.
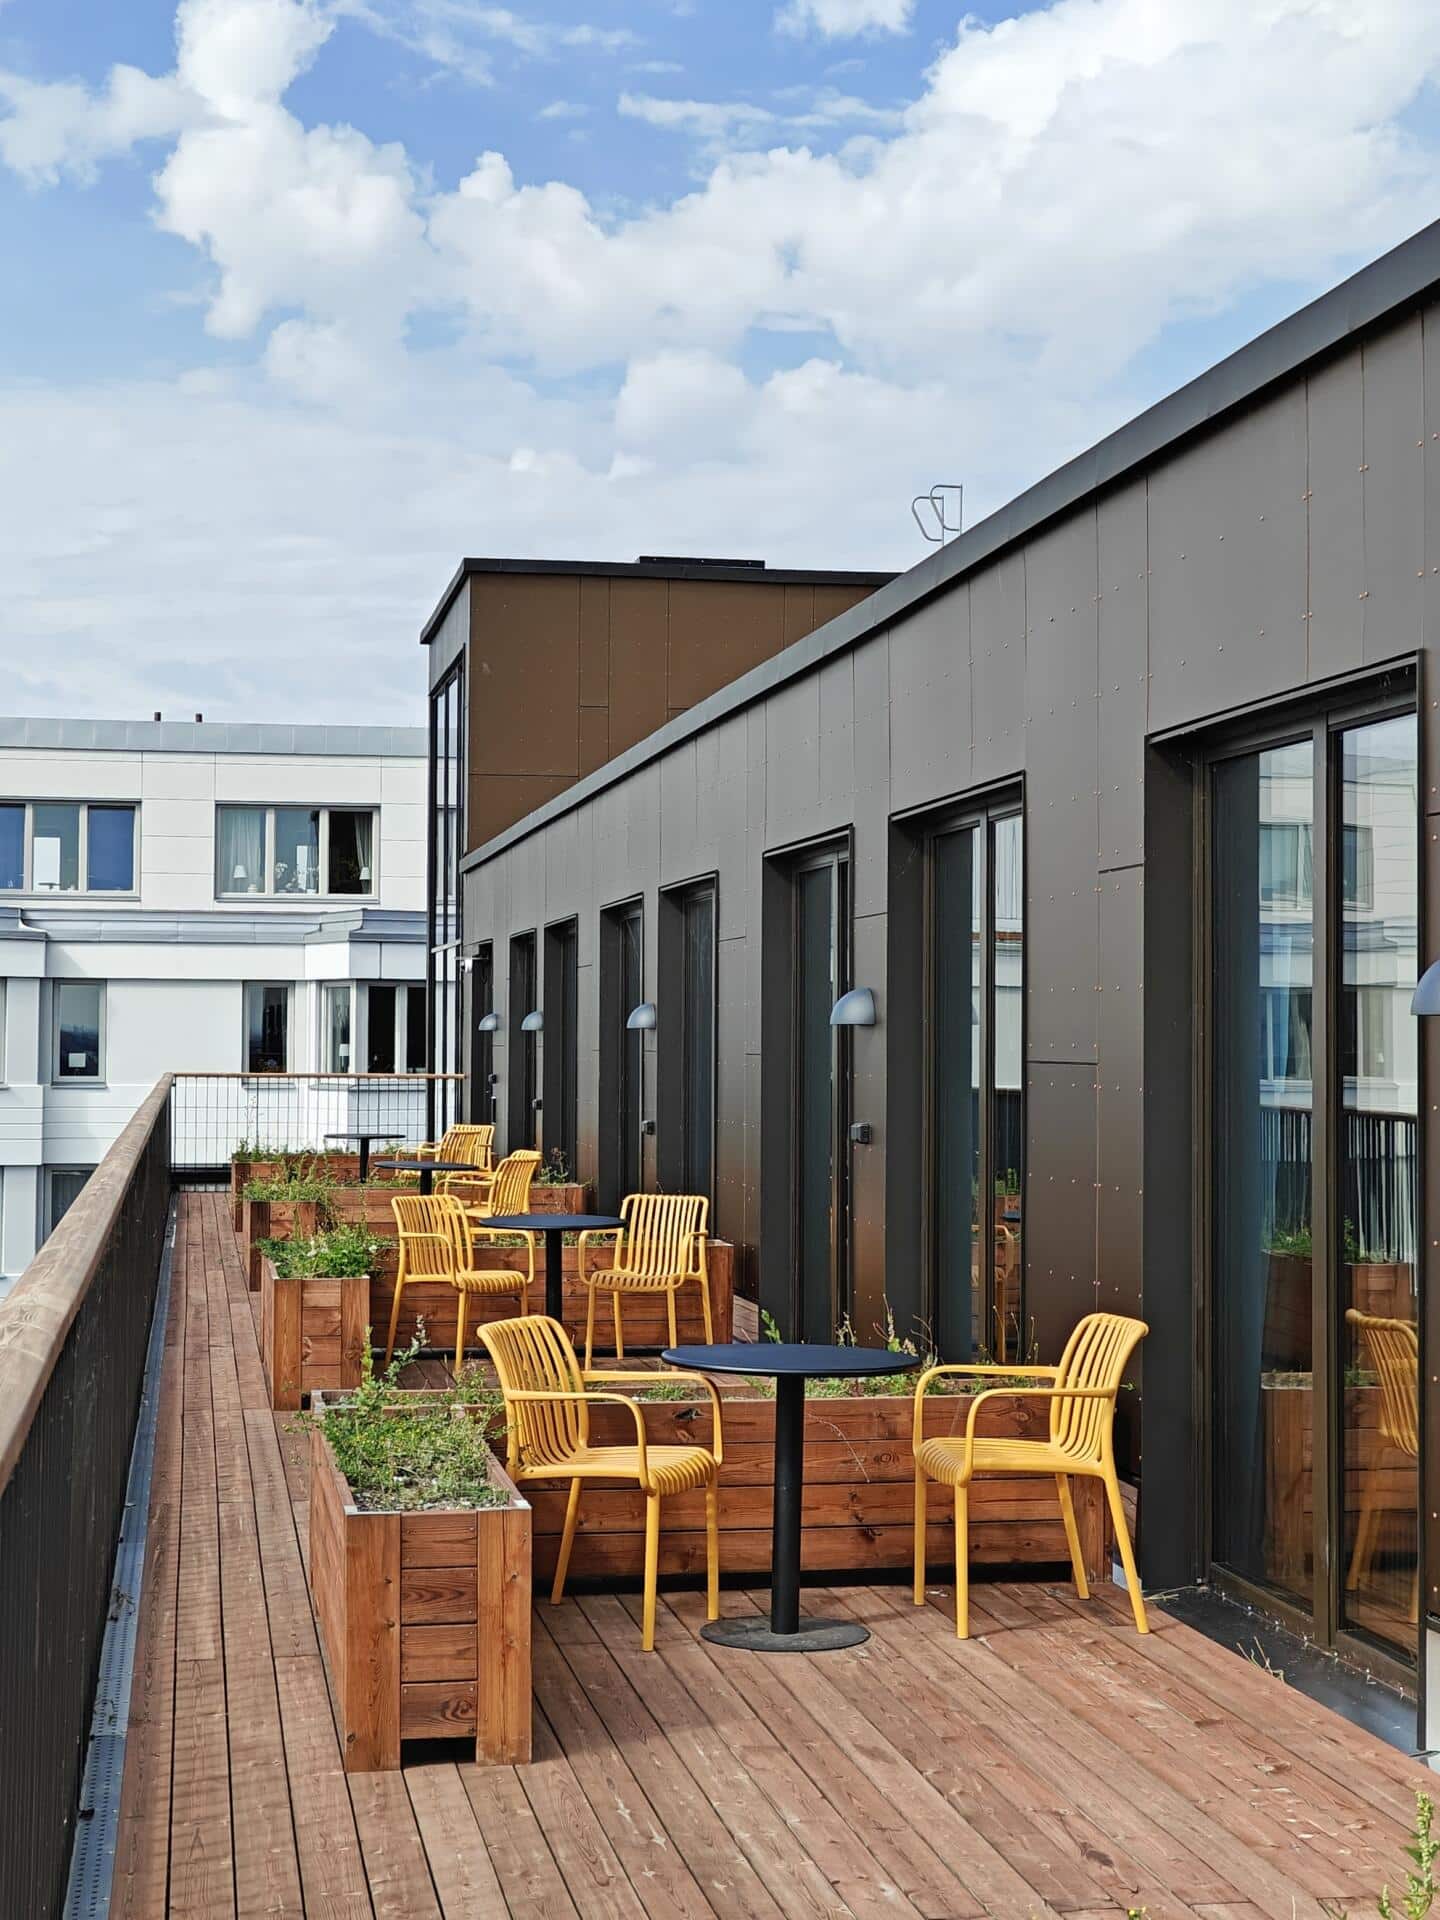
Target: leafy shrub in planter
x: 329, y: 1255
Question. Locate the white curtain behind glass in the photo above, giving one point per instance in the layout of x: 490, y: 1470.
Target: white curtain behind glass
x: 240, y: 850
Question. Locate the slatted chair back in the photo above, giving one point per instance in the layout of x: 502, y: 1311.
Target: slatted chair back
x: 1094, y: 1361
x: 662, y: 1234
x: 534, y: 1355
x: 511, y: 1192
x: 426, y: 1236
x: 1393, y: 1347
x: 475, y: 1146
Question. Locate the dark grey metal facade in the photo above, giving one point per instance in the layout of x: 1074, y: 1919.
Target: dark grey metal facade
x: 1273, y: 529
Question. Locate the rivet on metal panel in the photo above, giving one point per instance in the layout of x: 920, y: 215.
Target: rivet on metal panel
x: 1262, y: 516
x: 1222, y: 536
x: 1365, y: 468
x: 1366, y: 594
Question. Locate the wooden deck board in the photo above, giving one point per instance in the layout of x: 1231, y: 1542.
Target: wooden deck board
x: 1056, y: 1764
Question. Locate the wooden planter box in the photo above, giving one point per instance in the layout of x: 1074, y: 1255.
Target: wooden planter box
x: 274, y: 1220
x: 571, y: 1198
x: 312, y: 1333
x: 644, y: 1319
x: 343, y: 1168
x: 424, y: 1619
x: 858, y: 1510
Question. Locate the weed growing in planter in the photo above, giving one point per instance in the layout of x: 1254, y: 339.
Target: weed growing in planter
x: 404, y: 1452
x: 554, y: 1171
x: 300, y: 1182
x: 331, y: 1255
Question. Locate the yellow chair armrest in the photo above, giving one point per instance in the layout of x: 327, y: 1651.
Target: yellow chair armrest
x: 935, y: 1373
x: 597, y: 1234
x: 674, y: 1373
x: 1023, y: 1393
x: 609, y: 1399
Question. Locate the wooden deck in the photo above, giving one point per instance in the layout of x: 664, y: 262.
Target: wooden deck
x: 1057, y: 1765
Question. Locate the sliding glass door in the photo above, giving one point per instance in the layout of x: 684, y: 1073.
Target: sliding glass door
x: 1313, y: 1309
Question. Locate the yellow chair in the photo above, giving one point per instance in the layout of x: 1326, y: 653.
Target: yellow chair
x: 506, y: 1190
x: 547, y: 1409
x: 661, y: 1246
x: 472, y: 1276
x: 426, y: 1247
x: 474, y: 1146
x: 1082, y: 1394
x: 1393, y: 1347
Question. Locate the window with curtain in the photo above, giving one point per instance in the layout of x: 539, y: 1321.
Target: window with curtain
x: 337, y: 1028
x: 295, y: 850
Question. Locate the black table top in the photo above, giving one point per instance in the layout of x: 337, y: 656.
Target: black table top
x: 384, y: 1133
x: 428, y: 1166
x: 790, y: 1357
x: 553, y: 1222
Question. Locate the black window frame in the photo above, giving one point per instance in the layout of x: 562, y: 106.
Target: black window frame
x: 687, y: 1037
x: 522, y: 1087
x: 560, y: 1055
x: 620, y: 1140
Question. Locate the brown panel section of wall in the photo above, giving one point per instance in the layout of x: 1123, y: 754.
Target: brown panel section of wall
x: 1059, y: 1202
x: 1124, y: 640
x: 498, y: 799
x: 524, y: 697
x: 1227, y: 567
x: 594, y: 641
x: 798, y: 616
x: 1394, y: 492
x: 639, y: 636
x: 718, y: 631
x: 594, y: 738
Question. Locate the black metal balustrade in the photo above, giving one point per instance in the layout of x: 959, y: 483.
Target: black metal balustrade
x: 73, y: 1337
x: 216, y: 1115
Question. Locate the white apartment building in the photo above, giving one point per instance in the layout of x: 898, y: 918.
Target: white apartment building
x: 201, y: 898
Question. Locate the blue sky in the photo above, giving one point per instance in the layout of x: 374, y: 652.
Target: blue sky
x: 306, y: 297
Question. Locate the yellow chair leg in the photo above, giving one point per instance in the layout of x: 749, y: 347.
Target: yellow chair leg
x: 652, y: 1570
x: 567, y: 1540
x: 619, y: 1335
x: 921, y: 1490
x: 1127, y: 1557
x: 394, y: 1317
x: 962, y: 1563
x: 670, y: 1308
x: 712, y: 1549
x: 1360, y: 1556
x: 460, y: 1306
x: 1067, y: 1514
x: 705, y: 1309
x: 589, y: 1329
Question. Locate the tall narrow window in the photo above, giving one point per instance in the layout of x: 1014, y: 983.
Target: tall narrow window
x: 413, y: 999
x: 267, y: 1028
x: 12, y: 849
x: 446, y: 842
x: 110, y: 849
x: 521, y: 1117
x: 79, y: 1018
x: 337, y: 1027
x: 686, y: 1037
x: 622, y: 1056
x: 482, y: 1039
x: 562, y: 997
x: 380, y: 1026
x: 55, y: 851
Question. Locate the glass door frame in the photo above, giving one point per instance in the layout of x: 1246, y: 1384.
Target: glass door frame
x: 1320, y: 721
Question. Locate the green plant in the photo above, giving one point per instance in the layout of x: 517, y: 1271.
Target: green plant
x: 404, y: 1451
x: 332, y: 1254
x: 305, y: 1180
x: 1420, y: 1883
x: 553, y: 1171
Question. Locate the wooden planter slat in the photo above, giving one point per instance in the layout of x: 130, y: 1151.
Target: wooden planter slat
x: 572, y: 1198
x: 312, y: 1333
x: 425, y: 1621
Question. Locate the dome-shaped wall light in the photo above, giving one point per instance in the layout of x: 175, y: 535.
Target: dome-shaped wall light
x: 533, y: 1022
x: 488, y: 1022
x: 1426, y: 997
x: 854, y: 1009
x: 641, y: 1019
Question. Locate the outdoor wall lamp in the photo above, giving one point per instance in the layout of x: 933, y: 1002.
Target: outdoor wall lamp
x: 1426, y: 997
x: 854, y: 1009
x: 642, y: 1018
x: 533, y: 1022
x: 488, y: 1022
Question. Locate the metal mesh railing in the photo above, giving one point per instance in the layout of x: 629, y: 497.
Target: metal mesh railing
x: 214, y: 1116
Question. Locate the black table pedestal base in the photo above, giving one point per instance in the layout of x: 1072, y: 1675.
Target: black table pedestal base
x: 756, y: 1635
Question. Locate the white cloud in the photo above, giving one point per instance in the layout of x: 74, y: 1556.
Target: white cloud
x: 843, y: 18
x: 965, y: 292
x: 563, y: 110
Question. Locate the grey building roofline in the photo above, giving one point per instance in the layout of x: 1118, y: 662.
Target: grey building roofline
x: 1396, y: 283
x: 750, y: 573
x: 224, y: 736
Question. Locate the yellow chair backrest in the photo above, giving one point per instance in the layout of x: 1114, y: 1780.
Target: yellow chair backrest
x: 473, y: 1145
x: 534, y: 1355
x: 511, y: 1192
x: 427, y: 1240
x: 662, y: 1233
x: 1094, y: 1359
x: 1394, y: 1350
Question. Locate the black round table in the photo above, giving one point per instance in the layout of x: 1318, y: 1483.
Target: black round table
x: 554, y: 1226
x: 364, y: 1139
x: 427, y: 1169
x: 791, y: 1364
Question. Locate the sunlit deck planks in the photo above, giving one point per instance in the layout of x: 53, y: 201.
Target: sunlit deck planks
x: 1057, y: 1764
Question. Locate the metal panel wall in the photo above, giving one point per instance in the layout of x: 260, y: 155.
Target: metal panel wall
x: 1289, y: 545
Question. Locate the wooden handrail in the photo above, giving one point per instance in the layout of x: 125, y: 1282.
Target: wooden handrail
x: 39, y: 1310
x: 305, y: 1073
